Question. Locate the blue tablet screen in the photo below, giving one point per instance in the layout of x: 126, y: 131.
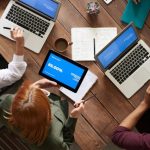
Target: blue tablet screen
x: 63, y: 70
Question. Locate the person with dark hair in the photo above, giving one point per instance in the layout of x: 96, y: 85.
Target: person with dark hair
x: 124, y: 137
x: 17, y: 66
x: 40, y: 118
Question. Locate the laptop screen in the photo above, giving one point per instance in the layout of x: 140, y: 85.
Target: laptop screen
x: 63, y: 70
x: 116, y: 47
x: 47, y: 7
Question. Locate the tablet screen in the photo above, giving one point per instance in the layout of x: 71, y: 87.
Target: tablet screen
x: 63, y: 70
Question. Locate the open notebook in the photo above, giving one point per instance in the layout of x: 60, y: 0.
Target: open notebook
x: 85, y: 86
x: 89, y: 41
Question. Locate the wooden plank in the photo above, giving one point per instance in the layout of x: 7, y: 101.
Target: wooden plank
x: 99, y: 118
x: 100, y: 20
x: 110, y: 96
x: 86, y: 136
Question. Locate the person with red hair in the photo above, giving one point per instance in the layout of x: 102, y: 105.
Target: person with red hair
x: 40, y: 118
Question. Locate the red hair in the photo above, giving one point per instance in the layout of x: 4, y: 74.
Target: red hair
x: 31, y: 113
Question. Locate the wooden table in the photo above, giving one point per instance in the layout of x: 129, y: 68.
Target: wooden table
x: 108, y: 108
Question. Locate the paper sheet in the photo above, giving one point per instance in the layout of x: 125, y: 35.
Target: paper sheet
x: 83, y: 44
x: 85, y: 86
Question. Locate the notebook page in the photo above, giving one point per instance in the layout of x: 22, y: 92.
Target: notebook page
x: 83, y: 41
x: 82, y: 48
x: 103, y: 36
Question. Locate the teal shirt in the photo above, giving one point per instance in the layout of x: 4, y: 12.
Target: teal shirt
x: 62, y: 127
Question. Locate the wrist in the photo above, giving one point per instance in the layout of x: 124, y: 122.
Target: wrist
x: 73, y: 116
x: 19, y: 50
x: 19, y: 44
x: 144, y: 105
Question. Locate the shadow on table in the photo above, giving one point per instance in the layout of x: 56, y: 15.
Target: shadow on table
x: 75, y: 146
x: 143, y: 124
x: 111, y: 146
x: 12, y: 89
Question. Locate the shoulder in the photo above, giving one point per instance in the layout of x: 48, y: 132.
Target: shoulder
x: 6, y: 100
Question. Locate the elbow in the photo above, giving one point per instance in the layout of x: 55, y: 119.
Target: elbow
x: 118, y: 138
x: 115, y: 138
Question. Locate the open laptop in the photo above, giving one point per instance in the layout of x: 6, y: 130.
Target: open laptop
x: 35, y: 17
x: 126, y: 61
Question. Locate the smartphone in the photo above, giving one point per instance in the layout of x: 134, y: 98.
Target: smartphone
x: 107, y: 1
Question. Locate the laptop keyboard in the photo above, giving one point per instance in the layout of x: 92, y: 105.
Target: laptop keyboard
x: 130, y: 64
x: 27, y: 20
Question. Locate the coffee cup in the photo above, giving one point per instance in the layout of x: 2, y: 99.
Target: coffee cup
x: 62, y: 44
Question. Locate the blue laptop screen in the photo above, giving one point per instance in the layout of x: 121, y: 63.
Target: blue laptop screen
x: 117, y: 47
x: 63, y: 71
x: 48, y: 7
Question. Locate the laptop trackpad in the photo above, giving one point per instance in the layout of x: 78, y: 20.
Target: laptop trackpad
x: 26, y: 35
x: 141, y: 76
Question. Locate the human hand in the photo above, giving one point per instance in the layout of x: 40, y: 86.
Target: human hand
x: 79, y: 108
x: 147, y: 97
x: 17, y: 35
x: 136, y: 1
x: 44, y: 83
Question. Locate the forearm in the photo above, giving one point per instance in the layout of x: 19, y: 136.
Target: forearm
x: 19, y: 49
x: 68, y: 130
x: 131, y: 120
x: 14, y: 72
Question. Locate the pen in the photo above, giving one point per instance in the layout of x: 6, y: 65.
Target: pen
x: 94, y: 46
x: 8, y: 28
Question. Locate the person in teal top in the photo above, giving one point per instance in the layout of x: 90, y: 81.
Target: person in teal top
x: 136, y: 1
x: 38, y: 117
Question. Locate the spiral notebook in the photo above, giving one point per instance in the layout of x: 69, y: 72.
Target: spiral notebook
x: 88, y: 81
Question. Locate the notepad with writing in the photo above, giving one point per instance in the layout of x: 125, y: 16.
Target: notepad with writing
x: 84, y: 48
x: 85, y: 86
x: 136, y: 13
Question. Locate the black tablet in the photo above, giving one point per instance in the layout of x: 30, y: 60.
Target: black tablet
x: 63, y: 70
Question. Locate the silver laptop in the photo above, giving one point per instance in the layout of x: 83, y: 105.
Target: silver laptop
x: 35, y: 17
x: 126, y: 61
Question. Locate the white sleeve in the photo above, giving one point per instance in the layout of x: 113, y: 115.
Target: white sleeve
x: 14, y: 72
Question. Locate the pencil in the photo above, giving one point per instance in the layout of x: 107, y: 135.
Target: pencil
x: 84, y: 101
x: 89, y: 98
x: 94, y: 46
x: 8, y: 28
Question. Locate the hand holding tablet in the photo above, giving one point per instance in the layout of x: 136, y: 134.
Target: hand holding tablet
x: 63, y: 70
x: 44, y: 83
